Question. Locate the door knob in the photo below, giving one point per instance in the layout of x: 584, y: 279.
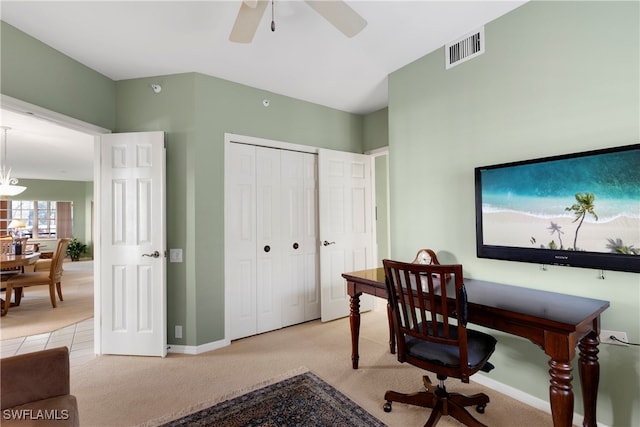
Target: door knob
x: 296, y: 245
x: 267, y: 248
x: 154, y: 254
x: 325, y: 243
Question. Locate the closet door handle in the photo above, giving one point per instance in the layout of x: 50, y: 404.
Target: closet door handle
x: 325, y: 243
x: 296, y: 246
x: 267, y: 248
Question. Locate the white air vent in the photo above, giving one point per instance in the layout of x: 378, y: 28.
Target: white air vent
x: 463, y: 49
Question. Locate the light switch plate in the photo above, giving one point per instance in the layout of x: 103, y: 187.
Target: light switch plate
x: 175, y: 255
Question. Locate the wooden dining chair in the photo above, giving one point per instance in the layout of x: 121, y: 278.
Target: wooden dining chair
x: 6, y: 243
x: 52, y: 278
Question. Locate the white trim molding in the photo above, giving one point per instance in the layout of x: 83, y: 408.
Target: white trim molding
x: 197, y: 349
x: 23, y: 107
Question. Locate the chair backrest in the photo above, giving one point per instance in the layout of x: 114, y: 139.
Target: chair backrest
x: 58, y: 258
x: 5, y: 243
x: 426, y: 256
x: 428, y: 304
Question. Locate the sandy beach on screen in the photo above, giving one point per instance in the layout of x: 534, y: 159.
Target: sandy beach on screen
x: 515, y: 229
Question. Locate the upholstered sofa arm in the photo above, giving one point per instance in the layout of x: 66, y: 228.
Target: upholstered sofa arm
x: 34, y: 376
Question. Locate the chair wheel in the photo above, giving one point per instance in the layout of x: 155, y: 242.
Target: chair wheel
x: 480, y: 408
x: 387, y: 407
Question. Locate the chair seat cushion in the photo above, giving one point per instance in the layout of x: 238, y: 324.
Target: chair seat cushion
x: 480, y: 346
x: 30, y: 279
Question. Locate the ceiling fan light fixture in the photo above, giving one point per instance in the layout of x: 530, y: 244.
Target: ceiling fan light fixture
x: 273, y: 19
x: 8, y: 185
x: 336, y: 12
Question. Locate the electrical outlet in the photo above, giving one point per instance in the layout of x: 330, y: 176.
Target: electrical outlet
x: 605, y: 337
x: 178, y: 331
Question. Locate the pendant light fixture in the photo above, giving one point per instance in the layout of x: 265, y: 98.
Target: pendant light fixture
x: 8, y: 185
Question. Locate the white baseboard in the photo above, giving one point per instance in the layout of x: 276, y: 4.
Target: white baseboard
x: 203, y: 348
x: 523, y: 397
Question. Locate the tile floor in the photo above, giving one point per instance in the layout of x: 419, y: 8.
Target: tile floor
x: 78, y: 337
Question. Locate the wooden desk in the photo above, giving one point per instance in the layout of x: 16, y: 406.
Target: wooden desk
x: 555, y: 322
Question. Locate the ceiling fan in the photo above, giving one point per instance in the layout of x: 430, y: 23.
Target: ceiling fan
x: 337, y: 12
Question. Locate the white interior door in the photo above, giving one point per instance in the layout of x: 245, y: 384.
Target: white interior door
x: 240, y: 239
x: 299, y: 195
x: 133, y: 244
x: 346, y: 227
x: 310, y: 244
x: 270, y: 250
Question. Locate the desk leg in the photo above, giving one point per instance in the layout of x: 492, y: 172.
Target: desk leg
x: 354, y: 318
x: 589, y: 369
x: 561, y: 393
x: 392, y: 333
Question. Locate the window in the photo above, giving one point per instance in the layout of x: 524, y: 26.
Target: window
x: 43, y: 219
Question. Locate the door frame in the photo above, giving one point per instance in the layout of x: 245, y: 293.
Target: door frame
x: 375, y: 153
x: 18, y: 106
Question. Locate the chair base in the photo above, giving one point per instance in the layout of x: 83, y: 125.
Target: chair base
x: 441, y: 402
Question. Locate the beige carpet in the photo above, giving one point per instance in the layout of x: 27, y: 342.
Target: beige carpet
x: 35, y: 314
x: 128, y: 391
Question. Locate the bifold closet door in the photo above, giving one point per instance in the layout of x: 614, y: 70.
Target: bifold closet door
x: 272, y: 232
x: 241, y: 235
x: 255, y: 240
x: 270, y: 245
x: 299, y: 229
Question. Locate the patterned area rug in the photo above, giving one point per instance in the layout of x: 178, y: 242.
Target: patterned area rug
x: 303, y: 400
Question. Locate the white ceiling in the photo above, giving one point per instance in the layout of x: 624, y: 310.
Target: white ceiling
x: 305, y: 58
x: 38, y: 149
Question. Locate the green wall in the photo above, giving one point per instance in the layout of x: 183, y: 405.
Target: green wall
x: 382, y: 207
x: 78, y: 192
x: 376, y: 130
x: 35, y: 73
x: 196, y: 110
x: 556, y: 77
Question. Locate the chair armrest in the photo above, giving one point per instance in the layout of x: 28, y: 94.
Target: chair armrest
x: 34, y: 376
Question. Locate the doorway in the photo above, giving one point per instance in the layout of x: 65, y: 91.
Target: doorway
x: 381, y: 203
x: 32, y: 114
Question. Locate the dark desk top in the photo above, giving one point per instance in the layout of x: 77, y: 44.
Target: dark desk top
x: 550, y: 308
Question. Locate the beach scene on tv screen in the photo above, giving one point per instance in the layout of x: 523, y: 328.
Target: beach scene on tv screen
x: 589, y: 203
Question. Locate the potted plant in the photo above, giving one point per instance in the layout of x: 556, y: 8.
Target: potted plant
x: 75, y: 249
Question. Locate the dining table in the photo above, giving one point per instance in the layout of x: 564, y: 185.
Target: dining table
x: 12, y: 261
x: 8, y: 261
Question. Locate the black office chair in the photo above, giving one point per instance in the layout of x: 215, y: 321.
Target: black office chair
x: 429, y: 322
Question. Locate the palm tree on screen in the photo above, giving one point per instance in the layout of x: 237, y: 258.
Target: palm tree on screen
x: 555, y: 228
x: 584, y: 206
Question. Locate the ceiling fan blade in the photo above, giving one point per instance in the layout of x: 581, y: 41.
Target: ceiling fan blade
x: 247, y: 21
x: 340, y: 15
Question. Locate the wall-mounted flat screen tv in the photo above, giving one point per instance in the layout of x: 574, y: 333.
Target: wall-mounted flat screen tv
x: 580, y: 209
